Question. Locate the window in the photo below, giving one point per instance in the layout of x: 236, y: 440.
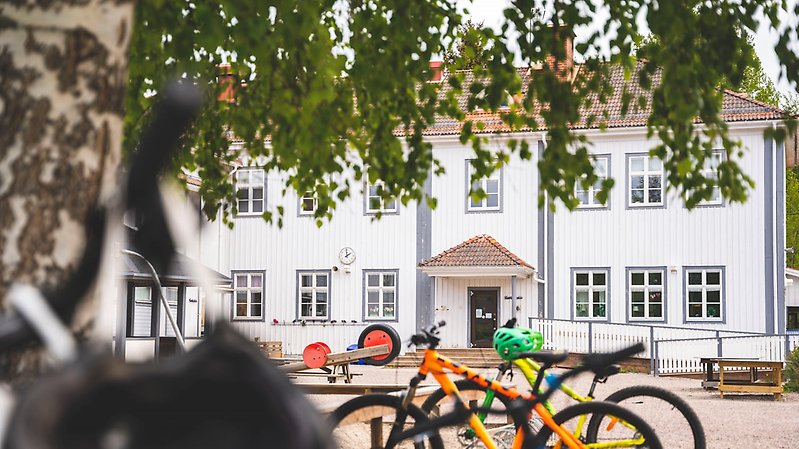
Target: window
x: 250, y: 191
x: 792, y: 323
x: 587, y: 197
x: 314, y: 294
x: 308, y: 203
x: 381, y: 295
x: 491, y: 185
x: 645, y: 181
x: 710, y: 171
x: 704, y: 288
x: 646, y: 288
x: 249, y: 295
x: 590, y: 294
x: 376, y: 204
x: 141, y: 324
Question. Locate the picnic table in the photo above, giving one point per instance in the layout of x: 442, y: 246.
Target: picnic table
x: 755, y: 381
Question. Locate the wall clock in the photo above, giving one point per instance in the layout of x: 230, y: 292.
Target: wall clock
x: 346, y: 255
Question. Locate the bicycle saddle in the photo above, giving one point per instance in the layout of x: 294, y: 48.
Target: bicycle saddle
x: 549, y: 357
x: 222, y: 394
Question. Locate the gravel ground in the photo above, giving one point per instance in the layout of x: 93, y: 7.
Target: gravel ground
x: 733, y: 422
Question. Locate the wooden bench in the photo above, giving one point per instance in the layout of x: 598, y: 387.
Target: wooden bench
x: 755, y: 380
x: 271, y: 349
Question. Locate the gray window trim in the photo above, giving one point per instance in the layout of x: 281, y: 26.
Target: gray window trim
x: 723, y: 202
x: 572, y: 273
x: 468, y: 170
x: 250, y: 214
x: 382, y: 213
x: 627, y: 186
x: 609, y: 174
x: 364, y: 316
x: 628, y: 298
x: 300, y: 212
x: 233, y: 296
x: 685, y: 271
x: 329, y: 294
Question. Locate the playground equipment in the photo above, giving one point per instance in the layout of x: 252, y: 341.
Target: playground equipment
x: 378, y: 345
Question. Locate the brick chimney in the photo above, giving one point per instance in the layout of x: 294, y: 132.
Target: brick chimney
x: 227, y: 79
x: 563, y: 49
x: 437, y: 68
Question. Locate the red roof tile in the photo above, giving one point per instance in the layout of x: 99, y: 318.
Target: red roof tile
x: 478, y: 251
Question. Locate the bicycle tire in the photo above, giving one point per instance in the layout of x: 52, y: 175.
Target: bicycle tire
x: 598, y: 408
x: 340, y: 414
x: 677, y: 402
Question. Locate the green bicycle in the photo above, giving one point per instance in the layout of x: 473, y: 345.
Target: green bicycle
x: 668, y: 413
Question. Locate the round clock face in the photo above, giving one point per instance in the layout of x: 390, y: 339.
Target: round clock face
x: 346, y: 255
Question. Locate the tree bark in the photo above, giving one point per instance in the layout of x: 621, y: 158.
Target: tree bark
x: 63, y: 72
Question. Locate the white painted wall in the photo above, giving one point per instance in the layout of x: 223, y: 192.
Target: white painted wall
x: 792, y: 290
x: 731, y: 236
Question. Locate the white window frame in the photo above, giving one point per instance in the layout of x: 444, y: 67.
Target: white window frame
x: 590, y: 288
x: 703, y: 289
x: 482, y: 183
x: 164, y: 326
x: 381, y: 289
x: 309, y: 195
x: 710, y: 171
x: 313, y: 290
x: 590, y: 193
x: 648, y: 289
x: 646, y: 173
x: 385, y: 208
x: 249, y: 290
x: 250, y: 188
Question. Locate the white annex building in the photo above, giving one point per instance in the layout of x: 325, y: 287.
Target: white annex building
x: 642, y: 258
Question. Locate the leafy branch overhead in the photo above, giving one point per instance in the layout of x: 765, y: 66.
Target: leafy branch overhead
x: 331, y: 93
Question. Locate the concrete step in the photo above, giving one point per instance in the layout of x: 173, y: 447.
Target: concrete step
x: 472, y: 357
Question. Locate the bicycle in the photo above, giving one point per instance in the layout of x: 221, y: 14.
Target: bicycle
x: 649, y: 402
x: 520, y: 405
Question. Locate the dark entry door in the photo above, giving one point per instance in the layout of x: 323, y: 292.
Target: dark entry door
x: 483, y: 304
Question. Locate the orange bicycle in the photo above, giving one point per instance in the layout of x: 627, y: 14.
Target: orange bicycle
x: 408, y: 425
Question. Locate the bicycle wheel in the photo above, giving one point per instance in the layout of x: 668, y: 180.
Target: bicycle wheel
x: 672, y: 418
x: 634, y: 432
x: 501, y: 427
x: 366, y: 422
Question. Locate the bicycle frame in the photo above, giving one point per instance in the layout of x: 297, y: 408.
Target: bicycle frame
x: 438, y: 365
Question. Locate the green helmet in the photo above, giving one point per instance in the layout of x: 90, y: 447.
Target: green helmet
x: 510, y: 341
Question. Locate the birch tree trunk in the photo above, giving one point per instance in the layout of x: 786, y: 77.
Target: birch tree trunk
x: 63, y: 71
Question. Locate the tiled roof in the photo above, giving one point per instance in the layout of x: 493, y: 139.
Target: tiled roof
x: 736, y: 107
x: 478, y: 251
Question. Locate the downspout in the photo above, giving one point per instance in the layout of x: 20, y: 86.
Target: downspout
x: 513, y: 306
x: 544, y: 311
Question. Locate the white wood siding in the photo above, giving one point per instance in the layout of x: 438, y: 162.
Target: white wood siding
x: 730, y: 236
x: 792, y: 292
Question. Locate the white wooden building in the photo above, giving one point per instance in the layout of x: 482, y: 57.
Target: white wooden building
x: 641, y: 258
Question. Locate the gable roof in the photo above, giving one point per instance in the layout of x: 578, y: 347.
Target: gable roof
x: 479, y: 251
x: 736, y: 107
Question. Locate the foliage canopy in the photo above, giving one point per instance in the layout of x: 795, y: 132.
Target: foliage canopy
x: 339, y: 88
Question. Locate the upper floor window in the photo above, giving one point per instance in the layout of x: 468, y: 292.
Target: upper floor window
x: 587, y: 196
x: 492, y: 187
x: 249, y: 295
x: 646, y: 294
x: 710, y: 171
x: 250, y: 191
x: 645, y: 181
x: 375, y: 203
x: 308, y: 203
x: 381, y: 295
x: 705, y: 291
x: 314, y: 294
x: 590, y: 294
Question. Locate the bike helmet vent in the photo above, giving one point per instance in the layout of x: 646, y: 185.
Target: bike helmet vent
x: 508, y: 342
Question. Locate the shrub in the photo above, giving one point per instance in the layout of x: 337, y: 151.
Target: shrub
x: 792, y: 370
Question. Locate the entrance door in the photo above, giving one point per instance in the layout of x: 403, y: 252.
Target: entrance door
x: 483, y: 310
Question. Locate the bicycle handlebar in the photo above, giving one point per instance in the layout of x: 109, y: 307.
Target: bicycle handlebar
x: 159, y: 140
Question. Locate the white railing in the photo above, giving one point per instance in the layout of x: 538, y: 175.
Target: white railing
x: 585, y: 337
x: 683, y: 355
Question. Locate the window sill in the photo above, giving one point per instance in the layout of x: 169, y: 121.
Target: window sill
x: 483, y: 211
x: 239, y: 319
x: 316, y: 324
